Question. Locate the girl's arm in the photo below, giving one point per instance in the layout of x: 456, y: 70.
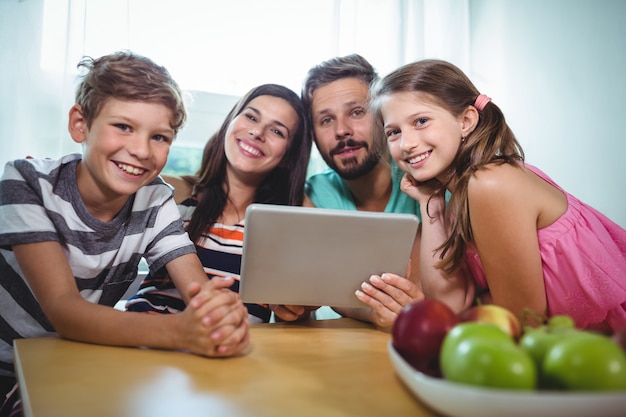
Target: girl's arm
x: 504, y: 210
x: 48, y: 273
x: 456, y: 289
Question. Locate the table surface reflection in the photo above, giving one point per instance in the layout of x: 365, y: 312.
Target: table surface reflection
x: 316, y: 368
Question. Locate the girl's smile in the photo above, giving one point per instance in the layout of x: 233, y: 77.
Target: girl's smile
x: 414, y: 161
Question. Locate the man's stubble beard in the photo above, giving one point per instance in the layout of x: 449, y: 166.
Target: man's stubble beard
x: 352, y: 169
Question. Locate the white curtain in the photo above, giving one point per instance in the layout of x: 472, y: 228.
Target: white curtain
x: 210, y: 46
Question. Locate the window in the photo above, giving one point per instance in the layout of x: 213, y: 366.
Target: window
x: 216, y: 50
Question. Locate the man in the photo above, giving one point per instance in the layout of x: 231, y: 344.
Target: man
x: 361, y: 175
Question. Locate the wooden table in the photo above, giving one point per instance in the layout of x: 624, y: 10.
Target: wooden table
x: 323, y: 368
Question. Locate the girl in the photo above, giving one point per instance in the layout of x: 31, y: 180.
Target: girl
x: 508, y: 229
x: 260, y: 154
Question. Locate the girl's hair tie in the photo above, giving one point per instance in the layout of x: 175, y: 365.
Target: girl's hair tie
x: 481, y: 102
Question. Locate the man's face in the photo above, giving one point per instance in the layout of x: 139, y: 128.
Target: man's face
x: 343, y: 127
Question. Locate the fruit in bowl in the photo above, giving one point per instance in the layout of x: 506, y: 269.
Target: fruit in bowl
x: 485, y: 346
x: 479, y: 353
x: 494, y: 314
x: 585, y: 361
x: 619, y: 337
x: 418, y: 333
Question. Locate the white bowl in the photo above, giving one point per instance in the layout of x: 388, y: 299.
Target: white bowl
x: 460, y: 400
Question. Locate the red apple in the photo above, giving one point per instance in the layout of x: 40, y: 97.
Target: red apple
x: 494, y: 314
x: 418, y: 333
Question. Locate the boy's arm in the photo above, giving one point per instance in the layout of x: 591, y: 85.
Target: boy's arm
x: 49, y: 276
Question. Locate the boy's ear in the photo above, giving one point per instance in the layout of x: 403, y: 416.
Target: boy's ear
x: 469, y: 120
x: 77, y: 125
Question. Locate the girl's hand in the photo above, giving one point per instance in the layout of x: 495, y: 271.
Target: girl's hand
x: 386, y: 295
x: 419, y: 191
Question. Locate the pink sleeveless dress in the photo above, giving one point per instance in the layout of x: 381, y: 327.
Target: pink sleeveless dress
x: 584, y: 264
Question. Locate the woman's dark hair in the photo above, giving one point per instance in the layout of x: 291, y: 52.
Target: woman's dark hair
x: 283, y: 185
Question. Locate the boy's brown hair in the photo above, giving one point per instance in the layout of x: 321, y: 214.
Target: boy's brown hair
x: 124, y: 75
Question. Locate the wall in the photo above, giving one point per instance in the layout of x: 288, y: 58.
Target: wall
x: 206, y: 113
x: 556, y: 68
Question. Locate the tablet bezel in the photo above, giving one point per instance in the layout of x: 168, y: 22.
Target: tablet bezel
x: 313, y: 256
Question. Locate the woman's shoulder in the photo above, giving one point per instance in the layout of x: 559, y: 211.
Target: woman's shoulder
x: 182, y: 188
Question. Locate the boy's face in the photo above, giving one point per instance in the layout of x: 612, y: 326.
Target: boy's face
x: 125, y: 148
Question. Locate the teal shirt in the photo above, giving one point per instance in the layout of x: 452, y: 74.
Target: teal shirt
x: 328, y: 190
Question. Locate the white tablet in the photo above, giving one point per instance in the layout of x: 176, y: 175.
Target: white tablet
x: 319, y: 257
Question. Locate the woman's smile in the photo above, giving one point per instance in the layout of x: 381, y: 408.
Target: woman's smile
x: 249, y: 149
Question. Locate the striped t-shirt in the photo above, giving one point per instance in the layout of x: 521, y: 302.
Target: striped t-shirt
x: 39, y: 202
x: 219, y: 249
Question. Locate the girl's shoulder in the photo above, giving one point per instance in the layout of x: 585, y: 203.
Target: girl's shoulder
x: 515, y: 189
x: 497, y: 177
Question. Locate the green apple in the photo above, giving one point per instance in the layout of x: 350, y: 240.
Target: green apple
x: 587, y: 362
x: 482, y: 354
x: 538, y: 341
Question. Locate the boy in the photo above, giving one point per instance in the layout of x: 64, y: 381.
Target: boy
x: 72, y: 231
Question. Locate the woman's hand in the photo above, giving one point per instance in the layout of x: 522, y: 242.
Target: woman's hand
x: 292, y: 312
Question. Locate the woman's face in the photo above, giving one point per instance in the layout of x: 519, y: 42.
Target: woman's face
x: 258, y: 138
x: 422, y: 136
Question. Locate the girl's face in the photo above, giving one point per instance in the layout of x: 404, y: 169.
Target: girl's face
x: 423, y: 137
x: 258, y: 138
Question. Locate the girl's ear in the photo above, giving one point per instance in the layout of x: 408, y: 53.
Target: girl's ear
x: 469, y: 120
x: 77, y: 125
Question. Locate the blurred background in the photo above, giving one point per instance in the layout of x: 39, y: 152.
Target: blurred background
x: 555, y: 67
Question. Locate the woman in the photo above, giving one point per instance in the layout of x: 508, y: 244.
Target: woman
x: 260, y: 154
